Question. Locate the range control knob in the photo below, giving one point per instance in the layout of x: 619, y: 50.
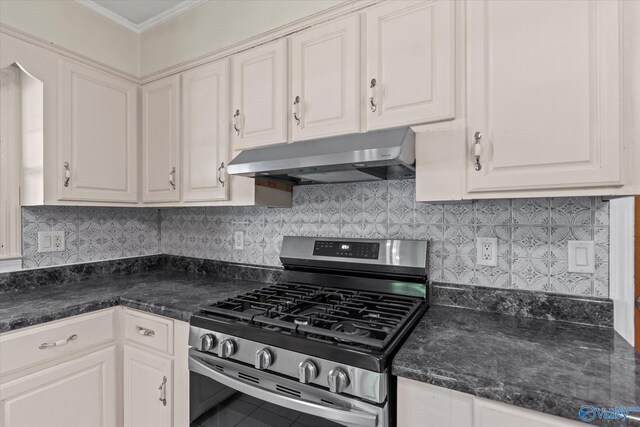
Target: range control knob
x: 264, y: 359
x: 338, y: 380
x: 307, y: 371
x: 226, y: 348
x: 207, y: 341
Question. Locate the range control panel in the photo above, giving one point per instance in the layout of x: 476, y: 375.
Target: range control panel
x: 366, y: 250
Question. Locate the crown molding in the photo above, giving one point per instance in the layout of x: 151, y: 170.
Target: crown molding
x: 266, y: 37
x: 320, y: 17
x: 147, y: 24
x: 44, y: 44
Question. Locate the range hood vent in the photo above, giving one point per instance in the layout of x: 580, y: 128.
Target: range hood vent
x: 371, y: 156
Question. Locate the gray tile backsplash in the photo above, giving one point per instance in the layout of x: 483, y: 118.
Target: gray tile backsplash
x: 532, y: 233
x: 91, y: 233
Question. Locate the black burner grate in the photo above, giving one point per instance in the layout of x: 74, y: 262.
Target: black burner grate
x: 343, y: 317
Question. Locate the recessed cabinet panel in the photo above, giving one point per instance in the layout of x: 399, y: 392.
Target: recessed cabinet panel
x: 80, y: 392
x: 259, y: 111
x: 148, y: 389
x: 410, y: 63
x: 205, y: 102
x: 160, y: 139
x: 325, y: 81
x: 543, y: 93
x: 97, y: 135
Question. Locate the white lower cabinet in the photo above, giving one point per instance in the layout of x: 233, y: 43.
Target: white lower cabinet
x: 80, y: 392
x: 425, y: 405
x: 115, y: 379
x: 148, y: 384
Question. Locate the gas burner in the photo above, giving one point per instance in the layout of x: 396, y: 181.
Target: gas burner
x: 350, y: 329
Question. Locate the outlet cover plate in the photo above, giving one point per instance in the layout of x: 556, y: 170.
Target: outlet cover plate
x: 582, y: 256
x: 51, y: 241
x: 487, y: 251
x: 238, y: 240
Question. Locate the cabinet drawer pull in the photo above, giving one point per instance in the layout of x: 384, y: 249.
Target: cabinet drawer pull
x: 58, y: 343
x: 162, y: 391
x: 477, y: 150
x: 296, y: 110
x: 236, y: 117
x: 146, y: 332
x: 372, y: 96
x: 67, y: 173
x: 172, y: 178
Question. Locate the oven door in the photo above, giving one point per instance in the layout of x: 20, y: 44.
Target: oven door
x: 244, y: 393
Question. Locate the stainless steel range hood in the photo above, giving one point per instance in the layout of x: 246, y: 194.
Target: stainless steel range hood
x: 372, y: 156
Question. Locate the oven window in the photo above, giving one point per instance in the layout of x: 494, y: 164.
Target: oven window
x: 242, y: 410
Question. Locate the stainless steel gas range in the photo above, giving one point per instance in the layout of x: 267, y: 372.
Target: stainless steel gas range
x: 320, y: 342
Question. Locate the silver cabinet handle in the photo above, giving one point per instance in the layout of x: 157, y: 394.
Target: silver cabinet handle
x: 221, y: 173
x: 296, y: 110
x: 477, y: 150
x: 372, y: 96
x: 57, y: 343
x: 236, y: 117
x: 67, y: 173
x: 146, y: 332
x: 162, y: 391
x: 172, y: 178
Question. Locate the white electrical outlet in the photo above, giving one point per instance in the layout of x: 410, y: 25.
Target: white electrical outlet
x: 238, y: 240
x: 487, y: 249
x: 582, y: 256
x: 50, y: 241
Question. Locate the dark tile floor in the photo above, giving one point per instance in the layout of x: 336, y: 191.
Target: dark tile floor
x: 241, y: 410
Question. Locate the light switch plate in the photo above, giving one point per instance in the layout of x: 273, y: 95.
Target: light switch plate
x: 582, y: 256
x: 238, y: 240
x: 487, y: 251
x: 50, y: 241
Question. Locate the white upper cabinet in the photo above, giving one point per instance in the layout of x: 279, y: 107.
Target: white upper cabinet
x: 410, y: 71
x: 205, y: 132
x: 160, y: 140
x: 259, y: 96
x: 544, y: 94
x: 325, y: 79
x: 97, y: 135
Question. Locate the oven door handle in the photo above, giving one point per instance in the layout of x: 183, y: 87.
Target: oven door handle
x: 344, y: 416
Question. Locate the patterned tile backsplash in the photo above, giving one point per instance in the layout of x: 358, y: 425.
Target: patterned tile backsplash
x: 91, y: 233
x: 532, y: 233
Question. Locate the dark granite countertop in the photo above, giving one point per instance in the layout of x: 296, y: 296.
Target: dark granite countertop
x: 165, y: 292
x: 547, y: 366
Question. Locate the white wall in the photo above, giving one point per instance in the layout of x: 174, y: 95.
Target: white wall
x: 217, y: 24
x: 72, y: 26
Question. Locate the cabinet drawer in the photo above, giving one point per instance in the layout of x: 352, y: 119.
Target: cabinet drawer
x: 41, y: 344
x: 150, y: 331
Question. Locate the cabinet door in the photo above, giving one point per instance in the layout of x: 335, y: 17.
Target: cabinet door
x: 77, y: 393
x: 543, y: 91
x: 148, y: 379
x: 259, y: 96
x: 410, y: 63
x: 325, y: 80
x: 487, y: 413
x: 205, y: 130
x: 160, y: 139
x: 424, y: 405
x: 97, y: 135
